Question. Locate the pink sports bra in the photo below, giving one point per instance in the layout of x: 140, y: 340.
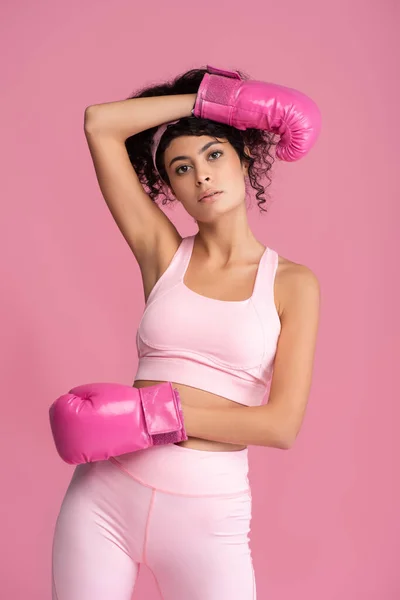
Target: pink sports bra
x: 224, y: 347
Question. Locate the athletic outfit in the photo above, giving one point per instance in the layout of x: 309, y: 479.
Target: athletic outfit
x: 184, y: 513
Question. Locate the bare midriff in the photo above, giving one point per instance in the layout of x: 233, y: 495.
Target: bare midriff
x: 202, y: 399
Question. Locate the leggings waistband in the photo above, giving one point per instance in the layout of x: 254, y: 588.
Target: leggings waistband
x: 181, y: 470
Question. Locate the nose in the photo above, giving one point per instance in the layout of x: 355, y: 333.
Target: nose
x: 202, y: 178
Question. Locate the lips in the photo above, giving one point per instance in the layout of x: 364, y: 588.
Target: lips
x: 209, y: 195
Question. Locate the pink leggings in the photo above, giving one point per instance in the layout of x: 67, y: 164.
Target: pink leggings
x: 184, y: 513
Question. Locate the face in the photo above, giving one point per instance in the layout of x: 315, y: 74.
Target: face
x: 196, y: 164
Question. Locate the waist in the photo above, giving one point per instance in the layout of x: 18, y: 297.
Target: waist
x: 199, y: 398
x: 196, y: 375
x: 180, y: 470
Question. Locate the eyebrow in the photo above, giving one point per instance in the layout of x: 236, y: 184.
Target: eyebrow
x: 203, y: 149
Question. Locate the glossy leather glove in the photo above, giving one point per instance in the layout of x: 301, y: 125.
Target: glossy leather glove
x: 226, y: 98
x: 99, y: 420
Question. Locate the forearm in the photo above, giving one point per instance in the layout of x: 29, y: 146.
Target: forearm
x: 258, y: 425
x: 127, y: 117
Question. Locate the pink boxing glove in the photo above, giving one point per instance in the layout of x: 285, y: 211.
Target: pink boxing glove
x: 224, y: 97
x: 98, y: 420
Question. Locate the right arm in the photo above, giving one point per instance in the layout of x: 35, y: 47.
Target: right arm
x: 145, y: 227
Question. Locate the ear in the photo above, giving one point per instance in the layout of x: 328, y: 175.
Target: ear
x: 245, y: 167
x: 246, y: 163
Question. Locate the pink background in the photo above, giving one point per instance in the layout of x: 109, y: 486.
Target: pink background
x: 326, y: 513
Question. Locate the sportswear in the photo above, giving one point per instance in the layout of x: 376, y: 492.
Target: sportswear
x: 223, y: 347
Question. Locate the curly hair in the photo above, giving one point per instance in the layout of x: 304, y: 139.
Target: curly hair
x: 138, y: 146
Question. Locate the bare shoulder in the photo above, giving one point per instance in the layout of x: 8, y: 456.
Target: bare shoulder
x: 295, y: 283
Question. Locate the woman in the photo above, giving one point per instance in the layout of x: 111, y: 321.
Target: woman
x: 223, y: 314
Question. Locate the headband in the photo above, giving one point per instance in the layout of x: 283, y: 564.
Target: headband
x: 156, y: 141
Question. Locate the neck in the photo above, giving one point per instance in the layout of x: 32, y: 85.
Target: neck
x: 222, y: 245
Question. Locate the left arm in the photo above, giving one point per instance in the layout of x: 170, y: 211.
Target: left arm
x: 278, y: 422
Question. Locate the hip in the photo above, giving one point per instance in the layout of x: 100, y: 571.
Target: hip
x: 187, y: 471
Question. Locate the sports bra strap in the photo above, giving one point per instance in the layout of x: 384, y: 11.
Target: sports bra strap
x: 173, y: 273
x: 263, y: 295
x: 264, y: 285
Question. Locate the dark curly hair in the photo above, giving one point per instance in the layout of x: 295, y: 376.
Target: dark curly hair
x: 138, y: 146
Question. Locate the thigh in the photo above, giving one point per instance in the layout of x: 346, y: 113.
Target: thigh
x: 198, y: 548
x: 91, y: 556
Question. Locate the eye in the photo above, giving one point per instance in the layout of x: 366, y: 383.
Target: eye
x: 215, y: 152
x: 179, y: 171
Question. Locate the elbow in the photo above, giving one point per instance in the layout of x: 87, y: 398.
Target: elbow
x: 282, y: 432
x: 287, y: 441
x: 288, y: 433
x: 281, y: 442
x: 90, y: 117
x: 286, y: 444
